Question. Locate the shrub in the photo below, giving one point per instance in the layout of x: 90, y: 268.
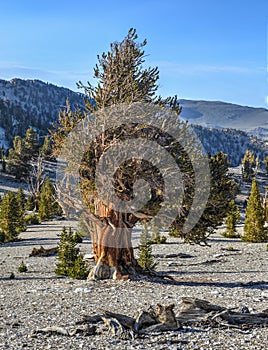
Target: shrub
x: 233, y: 216
x: 30, y: 203
x: 79, y: 270
x: 156, y: 237
x: 71, y: 263
x: 146, y: 260
x: 22, y: 267
x: 32, y: 219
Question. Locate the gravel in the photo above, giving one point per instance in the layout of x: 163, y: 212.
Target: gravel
x: 229, y: 273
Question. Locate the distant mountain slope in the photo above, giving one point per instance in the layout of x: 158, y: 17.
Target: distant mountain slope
x: 232, y: 142
x: 25, y: 103
x: 227, y: 115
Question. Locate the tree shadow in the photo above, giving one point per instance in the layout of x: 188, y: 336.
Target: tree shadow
x: 31, y: 278
x: 260, y: 285
x: 30, y: 242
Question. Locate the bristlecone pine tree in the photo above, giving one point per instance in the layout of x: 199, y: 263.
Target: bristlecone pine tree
x: 122, y: 79
x: 10, y: 220
x: 18, y: 161
x: 146, y: 260
x: 31, y: 144
x: 248, y: 165
x: 21, y: 209
x: 222, y: 190
x: 24, y: 151
x: 232, y: 219
x: 46, y: 150
x: 48, y: 205
x: 254, y: 223
x: 70, y: 261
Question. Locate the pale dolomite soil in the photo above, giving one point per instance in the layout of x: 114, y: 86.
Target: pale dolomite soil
x: 39, y: 298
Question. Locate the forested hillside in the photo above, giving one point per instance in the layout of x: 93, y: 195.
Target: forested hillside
x: 232, y: 142
x: 25, y: 103
x: 33, y: 103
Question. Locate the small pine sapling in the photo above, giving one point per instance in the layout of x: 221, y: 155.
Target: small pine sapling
x: 233, y: 216
x: 22, y: 267
x: 146, y: 260
x: 156, y: 236
x: 71, y: 263
x: 254, y: 230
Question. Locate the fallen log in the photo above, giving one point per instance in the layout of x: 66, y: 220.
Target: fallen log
x: 44, y: 252
x: 193, y: 310
x: 162, y: 318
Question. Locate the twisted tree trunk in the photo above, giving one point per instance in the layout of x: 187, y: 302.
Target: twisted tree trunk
x: 112, y: 246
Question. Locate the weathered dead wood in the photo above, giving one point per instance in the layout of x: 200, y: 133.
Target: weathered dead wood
x: 85, y: 330
x: 156, y: 319
x: 162, y: 318
x: 193, y: 310
x: 89, y: 319
x: 125, y: 321
x: 53, y: 330
x: 44, y: 252
x: 143, y: 320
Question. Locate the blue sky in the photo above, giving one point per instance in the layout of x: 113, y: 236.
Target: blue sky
x: 210, y: 50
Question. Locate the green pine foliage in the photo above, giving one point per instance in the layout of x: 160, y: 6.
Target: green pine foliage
x: 32, y: 219
x: 30, y: 203
x: 48, y: 205
x: 18, y: 161
x: 249, y: 163
x: 31, y: 144
x: 79, y: 270
x: 146, y: 260
x: 254, y: 224
x: 222, y: 190
x: 232, y: 219
x: 23, y: 152
x: 71, y: 263
x: 22, y: 267
x: 156, y: 236
x: 46, y: 150
x: 10, y: 220
x: 21, y: 209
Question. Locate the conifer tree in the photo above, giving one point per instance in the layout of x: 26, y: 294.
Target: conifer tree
x: 48, y: 205
x: 254, y: 224
x: 122, y: 79
x: 70, y: 263
x: 248, y: 165
x: 46, y: 149
x: 29, y: 203
x: 24, y: 151
x: 31, y: 144
x: 222, y: 190
x: 146, y: 260
x: 21, y: 200
x: 18, y: 161
x: 232, y: 219
x: 9, y: 217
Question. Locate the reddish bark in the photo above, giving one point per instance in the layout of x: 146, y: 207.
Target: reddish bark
x: 112, y: 246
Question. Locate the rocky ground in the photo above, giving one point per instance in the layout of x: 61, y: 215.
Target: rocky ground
x: 229, y: 273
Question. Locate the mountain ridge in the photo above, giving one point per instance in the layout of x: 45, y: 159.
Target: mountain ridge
x: 224, y: 115
x: 32, y: 102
